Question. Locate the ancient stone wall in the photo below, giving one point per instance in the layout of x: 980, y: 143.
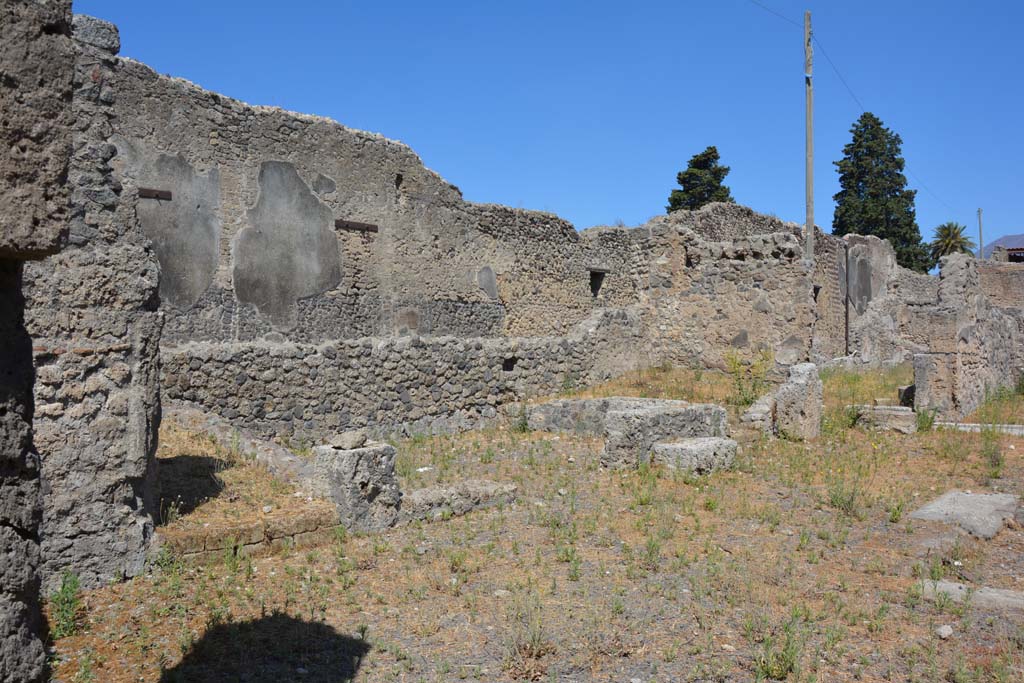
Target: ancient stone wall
x: 891, y: 310
x: 974, y: 348
x: 708, y: 299
x: 1002, y: 283
x: 282, y: 226
x: 92, y: 313
x: 415, y: 384
x: 722, y: 222
x: 36, y: 61
x: 829, y: 293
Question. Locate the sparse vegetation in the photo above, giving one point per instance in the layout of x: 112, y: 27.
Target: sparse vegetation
x: 628, y: 572
x: 749, y: 378
x: 65, y: 607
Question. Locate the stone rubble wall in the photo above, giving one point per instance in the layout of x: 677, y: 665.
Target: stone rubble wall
x: 975, y: 349
x: 250, y: 183
x: 92, y: 313
x: 410, y: 384
x: 706, y: 300
x: 829, y: 293
x: 1002, y: 283
x: 36, y: 60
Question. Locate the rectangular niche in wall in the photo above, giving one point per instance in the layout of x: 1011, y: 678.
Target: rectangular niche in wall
x: 509, y: 364
x: 597, y: 280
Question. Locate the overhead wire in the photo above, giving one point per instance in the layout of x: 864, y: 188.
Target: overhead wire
x: 846, y: 85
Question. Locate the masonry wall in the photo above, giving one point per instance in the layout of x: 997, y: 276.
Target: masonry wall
x: 91, y: 311
x: 710, y: 299
x: 250, y: 249
x: 411, y: 384
x: 35, y: 144
x: 829, y: 293
x: 1002, y: 283
x: 976, y: 347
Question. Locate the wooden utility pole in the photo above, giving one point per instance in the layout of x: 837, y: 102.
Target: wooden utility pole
x: 809, y: 170
x: 981, y: 240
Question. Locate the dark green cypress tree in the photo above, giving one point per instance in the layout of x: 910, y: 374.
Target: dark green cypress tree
x: 701, y: 183
x: 874, y: 199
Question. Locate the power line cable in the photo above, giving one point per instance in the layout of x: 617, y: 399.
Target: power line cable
x: 846, y: 85
x: 768, y: 9
x: 840, y: 75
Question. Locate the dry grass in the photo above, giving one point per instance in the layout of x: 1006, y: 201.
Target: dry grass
x: 800, y: 564
x: 203, y: 484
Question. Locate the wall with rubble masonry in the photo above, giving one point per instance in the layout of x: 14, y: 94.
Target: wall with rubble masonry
x: 36, y: 61
x: 310, y: 278
x: 975, y: 347
x: 92, y: 313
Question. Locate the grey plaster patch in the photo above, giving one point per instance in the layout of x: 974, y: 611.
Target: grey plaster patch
x: 980, y: 514
x: 323, y: 185
x: 185, y: 230
x: 982, y: 598
x: 488, y: 282
x: 289, y: 250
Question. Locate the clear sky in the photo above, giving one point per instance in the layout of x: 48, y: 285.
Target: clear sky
x: 589, y: 108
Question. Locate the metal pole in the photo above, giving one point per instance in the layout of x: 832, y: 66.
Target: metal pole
x: 981, y: 240
x: 809, y: 170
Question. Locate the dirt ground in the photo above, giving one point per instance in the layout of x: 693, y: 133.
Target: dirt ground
x: 800, y: 563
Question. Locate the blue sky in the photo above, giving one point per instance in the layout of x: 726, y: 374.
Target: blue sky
x: 590, y: 108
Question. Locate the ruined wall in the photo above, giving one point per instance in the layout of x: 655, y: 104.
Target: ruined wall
x: 412, y: 384
x: 707, y: 299
x: 891, y: 310
x: 92, y: 313
x: 829, y: 293
x: 725, y: 221
x: 975, y: 347
x: 35, y: 144
x: 250, y: 249
x: 1002, y: 283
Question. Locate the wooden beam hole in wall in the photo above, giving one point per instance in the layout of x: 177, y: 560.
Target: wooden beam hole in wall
x: 356, y: 226
x: 150, y: 193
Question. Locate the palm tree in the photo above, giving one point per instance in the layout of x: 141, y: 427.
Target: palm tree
x: 950, y: 239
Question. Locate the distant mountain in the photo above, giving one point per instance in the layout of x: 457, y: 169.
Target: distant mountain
x: 1008, y: 241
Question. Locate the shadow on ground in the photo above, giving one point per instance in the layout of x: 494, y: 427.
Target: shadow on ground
x: 186, y: 481
x: 272, y: 649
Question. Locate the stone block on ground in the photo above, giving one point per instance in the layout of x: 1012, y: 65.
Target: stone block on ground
x: 360, y: 482
x: 894, y: 418
x: 979, y: 514
x: 698, y: 454
x: 347, y: 441
x: 982, y: 598
x: 630, y: 426
x: 799, y: 403
x: 436, y: 502
x: 761, y: 414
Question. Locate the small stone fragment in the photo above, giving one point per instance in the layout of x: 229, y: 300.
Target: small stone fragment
x: 347, y: 441
x: 945, y: 631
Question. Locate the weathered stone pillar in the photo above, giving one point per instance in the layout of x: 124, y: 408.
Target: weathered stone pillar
x: 92, y: 314
x: 35, y: 144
